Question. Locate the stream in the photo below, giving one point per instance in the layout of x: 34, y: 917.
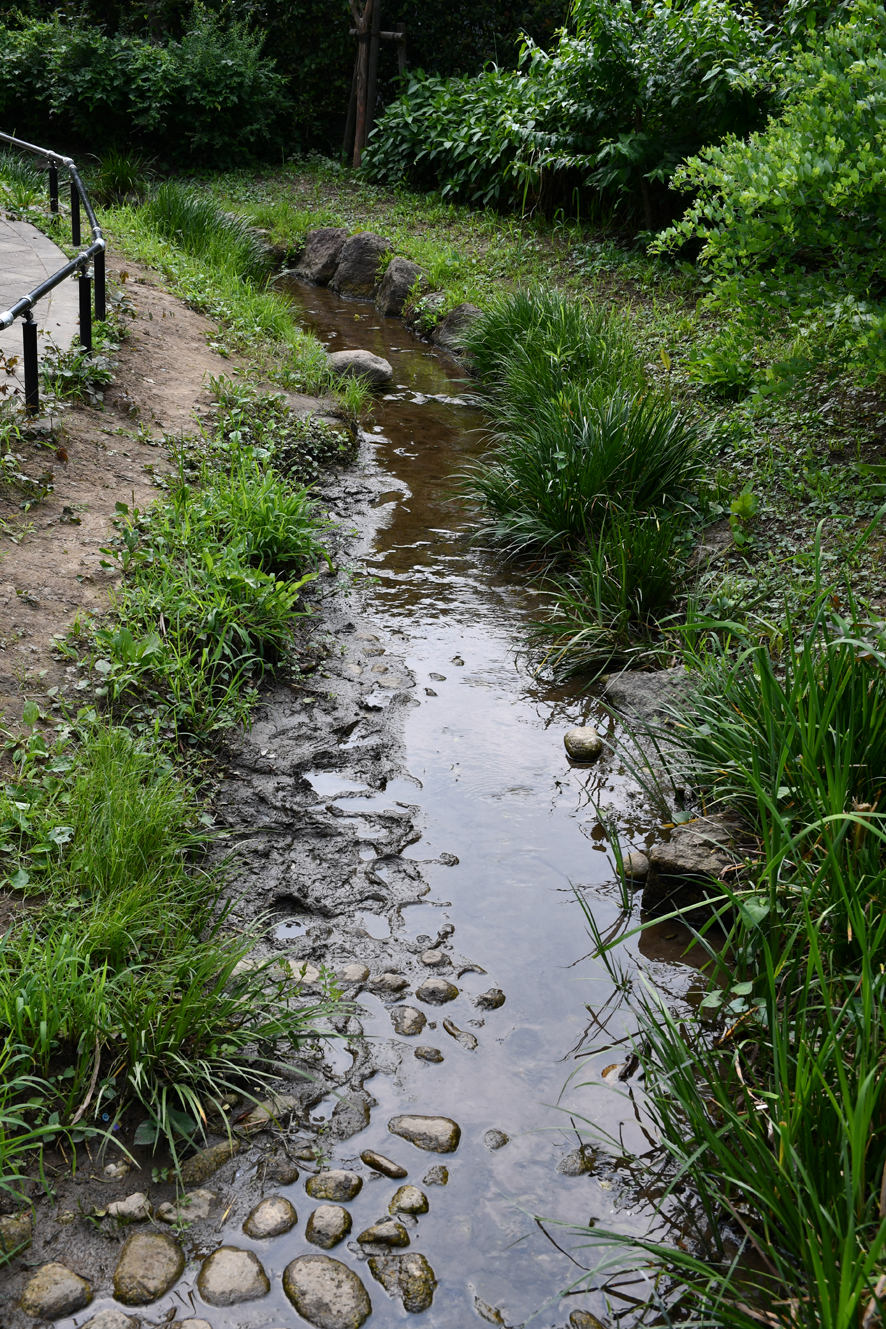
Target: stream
x: 411, y: 795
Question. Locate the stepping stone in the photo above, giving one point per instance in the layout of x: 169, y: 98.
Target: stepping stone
x: 326, y: 1292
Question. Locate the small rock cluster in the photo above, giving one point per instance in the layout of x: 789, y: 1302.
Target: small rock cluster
x: 325, y: 1292
x: 360, y: 268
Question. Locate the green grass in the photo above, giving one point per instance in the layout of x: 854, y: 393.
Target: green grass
x: 118, y: 989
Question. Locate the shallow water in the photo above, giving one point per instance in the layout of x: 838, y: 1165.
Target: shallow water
x: 498, y: 793
x: 510, y: 832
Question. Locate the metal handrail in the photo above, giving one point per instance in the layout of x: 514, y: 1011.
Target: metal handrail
x: 94, y: 252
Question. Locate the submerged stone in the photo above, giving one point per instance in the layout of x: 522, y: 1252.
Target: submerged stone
x: 428, y: 1054
x: 326, y: 1292
x: 407, y: 1020
x: 491, y: 1000
x: 439, y: 1134
x: 384, y: 1165
x: 495, y: 1139
x: 408, y: 1200
x: 270, y: 1218
x: 409, y: 1277
x: 117, y: 1320
x: 436, y: 1176
x: 584, y: 1320
x: 327, y: 1226
x: 230, y: 1276
x: 335, y: 1184
x: 583, y: 743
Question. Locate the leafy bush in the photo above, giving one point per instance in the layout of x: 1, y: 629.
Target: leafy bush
x: 795, y: 215
x: 614, y: 108
x: 210, y: 95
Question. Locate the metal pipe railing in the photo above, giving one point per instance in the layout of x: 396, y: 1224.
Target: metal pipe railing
x: 94, y: 252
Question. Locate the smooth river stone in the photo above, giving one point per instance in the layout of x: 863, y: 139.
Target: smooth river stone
x: 384, y: 1165
x: 327, y: 1226
x: 117, y: 1320
x: 635, y: 865
x: 230, y: 1276
x: 491, y: 1000
x: 495, y: 1139
x: 583, y: 743
x: 434, y: 958
x: 270, y: 1218
x: 408, y: 1200
x: 326, y: 1292
x: 436, y: 1176
x: 150, y: 1263
x: 55, y: 1292
x: 335, y: 1184
x: 407, y: 1020
x: 387, y: 1233
x: 388, y: 983
x: 438, y: 1134
x: 354, y: 973
x: 425, y: 1053
x: 408, y: 1276
x: 584, y: 1320
x: 437, y: 991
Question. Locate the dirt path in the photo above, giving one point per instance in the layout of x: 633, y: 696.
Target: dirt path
x: 50, y: 555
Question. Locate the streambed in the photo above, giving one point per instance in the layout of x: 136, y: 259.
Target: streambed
x: 415, y: 795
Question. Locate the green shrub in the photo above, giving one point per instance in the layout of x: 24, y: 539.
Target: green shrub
x: 794, y: 216
x: 211, y: 96
x: 613, y: 108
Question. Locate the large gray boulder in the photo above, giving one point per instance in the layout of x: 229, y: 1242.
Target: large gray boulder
x: 357, y: 273
x: 321, y: 255
x: 400, y: 277
x: 450, y: 331
x: 360, y: 364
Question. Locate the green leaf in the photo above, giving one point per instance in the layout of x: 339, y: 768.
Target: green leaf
x: 146, y: 1133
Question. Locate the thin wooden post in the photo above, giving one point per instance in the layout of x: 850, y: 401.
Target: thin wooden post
x: 348, y: 141
x: 402, y: 62
x: 372, y: 81
x: 362, y: 21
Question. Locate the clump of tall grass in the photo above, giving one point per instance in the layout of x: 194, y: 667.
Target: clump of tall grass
x: 211, y: 591
x: 195, y: 223
x: 119, y: 987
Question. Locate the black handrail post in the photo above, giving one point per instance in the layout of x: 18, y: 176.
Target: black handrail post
x: 84, y: 283
x: 75, y: 214
x: 53, y: 187
x: 98, y: 267
x: 32, y: 377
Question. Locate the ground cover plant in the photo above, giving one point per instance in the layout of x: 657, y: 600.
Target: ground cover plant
x: 120, y: 996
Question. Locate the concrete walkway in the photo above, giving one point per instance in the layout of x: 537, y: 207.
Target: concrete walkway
x: 27, y: 257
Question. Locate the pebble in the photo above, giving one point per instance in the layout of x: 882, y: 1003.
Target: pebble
x: 150, y: 1263
x: 577, y: 1163
x: 408, y: 1200
x: 388, y: 983
x: 305, y: 973
x: 408, y: 1276
x: 17, y: 1231
x: 354, y: 973
x: 584, y: 1320
x: 436, y: 1176
x: 117, y: 1170
x: 438, y: 678
x: 387, y: 1233
x: 326, y: 1292
x: 383, y: 1165
x: 439, y: 1134
x: 191, y: 1208
x: 54, y: 1292
x: 461, y: 1036
x: 428, y: 1054
x: 491, y: 1000
x: 433, y: 958
x: 207, y: 1161
x: 407, y: 1020
x: 495, y: 1139
x: 336, y: 1184
x: 270, y: 1218
x: 116, y: 1320
x: 230, y: 1276
x: 583, y: 744
x: 327, y: 1226
x: 437, y: 991
x: 134, y: 1209
x: 192, y: 1324
x: 635, y: 865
